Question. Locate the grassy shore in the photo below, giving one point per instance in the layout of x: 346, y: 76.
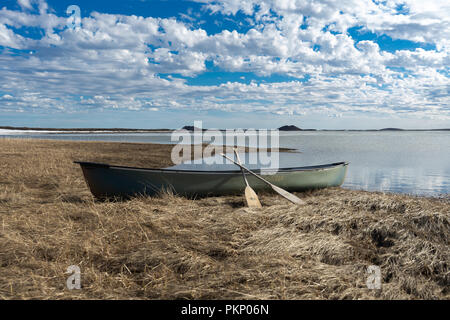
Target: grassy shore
x: 170, y: 247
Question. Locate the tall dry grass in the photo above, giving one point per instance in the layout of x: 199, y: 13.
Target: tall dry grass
x: 170, y: 247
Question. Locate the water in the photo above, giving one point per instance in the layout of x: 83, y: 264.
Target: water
x: 400, y: 162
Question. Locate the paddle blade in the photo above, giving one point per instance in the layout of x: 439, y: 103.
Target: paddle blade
x: 292, y: 198
x: 251, y: 198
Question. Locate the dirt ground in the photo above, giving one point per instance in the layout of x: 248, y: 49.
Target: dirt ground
x: 169, y: 247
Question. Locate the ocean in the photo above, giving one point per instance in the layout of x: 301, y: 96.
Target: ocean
x: 411, y: 162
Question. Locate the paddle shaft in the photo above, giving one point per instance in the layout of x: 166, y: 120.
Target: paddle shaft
x: 289, y: 196
x: 242, y: 167
x: 242, y: 170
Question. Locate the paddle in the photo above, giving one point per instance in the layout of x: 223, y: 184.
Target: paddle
x: 289, y: 196
x: 250, y: 195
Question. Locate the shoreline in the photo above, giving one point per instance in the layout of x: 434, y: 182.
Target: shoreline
x: 240, y: 148
x: 11, y: 130
x: 442, y: 196
x: 168, y: 147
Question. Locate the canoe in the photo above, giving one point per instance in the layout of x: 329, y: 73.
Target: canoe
x: 108, y: 181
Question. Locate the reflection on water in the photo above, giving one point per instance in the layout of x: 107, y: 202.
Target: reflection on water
x: 405, y: 162
x: 399, y: 180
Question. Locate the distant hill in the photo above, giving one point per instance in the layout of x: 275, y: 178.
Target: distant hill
x: 192, y: 128
x: 289, y: 128
x: 391, y: 129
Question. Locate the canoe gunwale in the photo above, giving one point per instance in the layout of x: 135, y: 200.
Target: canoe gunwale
x: 164, y: 170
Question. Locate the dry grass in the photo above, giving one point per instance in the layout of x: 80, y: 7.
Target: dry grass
x: 213, y: 248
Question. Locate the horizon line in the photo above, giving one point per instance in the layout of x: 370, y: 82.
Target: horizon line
x: 204, y: 129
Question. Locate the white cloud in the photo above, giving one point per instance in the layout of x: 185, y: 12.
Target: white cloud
x: 424, y: 21
x: 9, y: 39
x: 113, y: 61
x: 25, y: 4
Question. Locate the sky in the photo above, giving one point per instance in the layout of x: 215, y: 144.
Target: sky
x: 350, y: 64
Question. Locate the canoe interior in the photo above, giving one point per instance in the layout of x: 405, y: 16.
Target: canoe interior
x: 106, y: 181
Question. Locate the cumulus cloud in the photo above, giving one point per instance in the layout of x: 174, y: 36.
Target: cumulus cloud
x: 405, y: 19
x: 140, y: 63
x: 9, y: 39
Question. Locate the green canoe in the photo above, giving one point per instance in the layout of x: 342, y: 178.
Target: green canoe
x: 107, y: 181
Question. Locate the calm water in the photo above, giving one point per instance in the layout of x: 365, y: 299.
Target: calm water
x: 404, y: 162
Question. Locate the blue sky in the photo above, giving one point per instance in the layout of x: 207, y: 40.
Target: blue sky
x: 355, y: 64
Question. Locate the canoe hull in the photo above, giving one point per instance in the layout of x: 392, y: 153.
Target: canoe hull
x: 106, y: 181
